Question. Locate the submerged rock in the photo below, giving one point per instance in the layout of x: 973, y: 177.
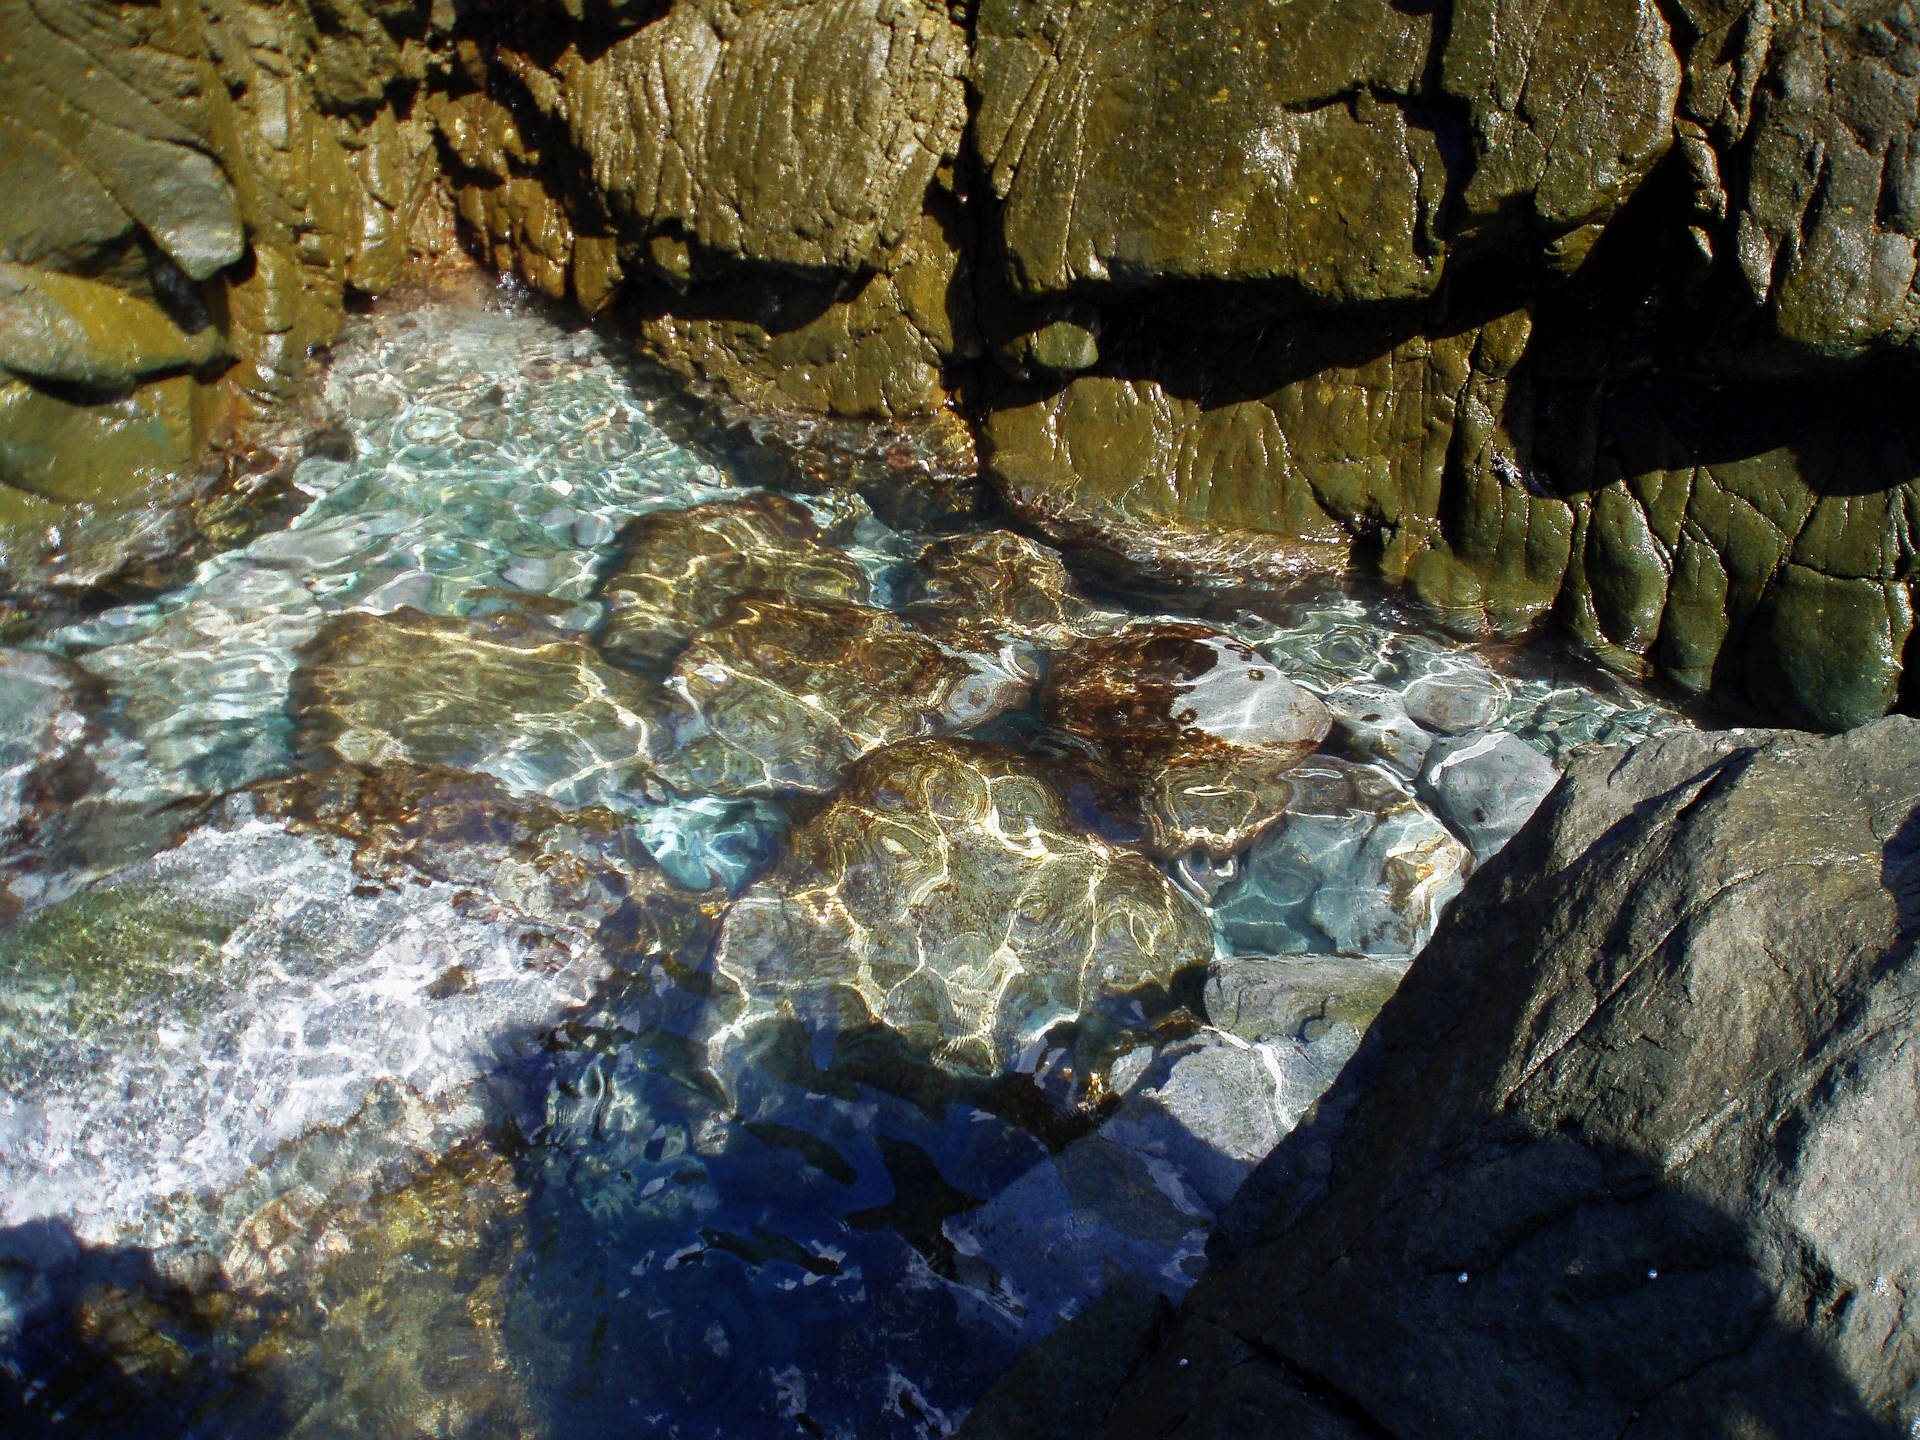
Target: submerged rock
x: 1373, y: 723
x: 1203, y: 725
x: 682, y: 568
x: 305, y: 945
x: 1358, y: 867
x: 1637, y: 1121
x: 785, y: 694
x: 947, y: 894
x: 1006, y: 583
x: 1486, y: 787
x: 42, y: 727
x: 512, y: 697
x: 1455, y: 699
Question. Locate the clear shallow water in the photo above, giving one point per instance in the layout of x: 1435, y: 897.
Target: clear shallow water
x: 317, y: 1127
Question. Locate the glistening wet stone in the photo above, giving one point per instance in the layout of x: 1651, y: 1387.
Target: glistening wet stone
x: 784, y: 695
x: 510, y: 696
x: 1202, y: 726
x: 680, y: 569
x: 948, y: 894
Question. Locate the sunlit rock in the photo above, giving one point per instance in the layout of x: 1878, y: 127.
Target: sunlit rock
x: 946, y: 894
x: 681, y: 568
x: 1298, y: 997
x: 1008, y: 584
x: 1359, y: 867
x: 1204, y: 726
x: 1487, y: 787
x: 534, y: 706
x: 1454, y: 698
x: 786, y: 694
x: 1373, y: 724
x: 305, y: 945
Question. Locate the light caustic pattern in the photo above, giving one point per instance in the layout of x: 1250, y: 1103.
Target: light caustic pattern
x: 802, y: 1016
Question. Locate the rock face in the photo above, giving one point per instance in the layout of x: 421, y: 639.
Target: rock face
x: 1597, y: 312
x: 947, y: 894
x: 207, y: 182
x: 1628, y: 1153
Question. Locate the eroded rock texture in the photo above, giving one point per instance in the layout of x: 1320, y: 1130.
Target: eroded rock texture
x: 786, y: 695
x: 1628, y: 1153
x: 206, y: 182
x: 1599, y: 314
x: 948, y: 894
x: 432, y: 690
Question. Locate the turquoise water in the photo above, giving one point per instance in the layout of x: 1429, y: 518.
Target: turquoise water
x: 486, y: 1132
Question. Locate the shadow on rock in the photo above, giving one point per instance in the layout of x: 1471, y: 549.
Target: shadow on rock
x: 1629, y: 1154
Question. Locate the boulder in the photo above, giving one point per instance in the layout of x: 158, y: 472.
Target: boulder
x: 1372, y: 722
x: 1007, y: 584
x: 947, y: 894
x: 1486, y: 786
x: 785, y: 695
x: 1630, y: 1151
x: 1355, y: 866
x: 681, y: 568
x: 434, y: 690
x: 1201, y: 726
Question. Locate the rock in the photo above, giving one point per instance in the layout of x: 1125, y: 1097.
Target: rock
x: 1373, y: 723
x: 207, y: 725
x: 1486, y: 787
x: 698, y: 123
x: 786, y: 695
x: 304, y: 950
x: 946, y: 894
x: 681, y: 569
x: 432, y: 690
x: 1357, y: 866
x: 1007, y: 584
x: 1206, y: 1109
x: 1063, y: 1390
x: 43, y: 726
x: 1298, y: 997
x: 1206, y: 725
x: 1644, y: 1102
x: 1139, y: 1194
x: 1454, y: 700
x: 66, y: 330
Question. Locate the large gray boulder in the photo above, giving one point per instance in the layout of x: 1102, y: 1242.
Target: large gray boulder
x: 1630, y: 1153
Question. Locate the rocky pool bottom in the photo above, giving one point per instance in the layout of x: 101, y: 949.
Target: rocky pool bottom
x: 558, y: 937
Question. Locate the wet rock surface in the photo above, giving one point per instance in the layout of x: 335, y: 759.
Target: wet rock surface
x: 786, y: 696
x: 682, y: 568
x: 440, y: 970
x: 1552, y: 1178
x: 948, y: 894
x: 510, y: 696
x: 1010, y: 584
x: 1356, y: 866
x: 1208, y: 724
